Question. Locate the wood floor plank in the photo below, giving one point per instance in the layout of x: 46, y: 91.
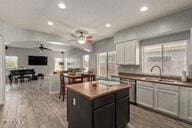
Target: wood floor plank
x: 32, y: 106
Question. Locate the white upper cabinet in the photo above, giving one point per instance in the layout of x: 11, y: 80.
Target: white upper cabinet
x: 128, y: 53
x: 120, y: 53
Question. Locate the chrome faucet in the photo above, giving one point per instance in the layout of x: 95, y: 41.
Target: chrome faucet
x: 160, y: 76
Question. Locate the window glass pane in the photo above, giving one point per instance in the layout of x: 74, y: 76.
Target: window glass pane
x: 66, y: 63
x: 151, y: 57
x: 11, y: 62
x: 58, y: 64
x: 112, y: 66
x: 86, y: 62
x: 174, y: 57
x: 102, y: 64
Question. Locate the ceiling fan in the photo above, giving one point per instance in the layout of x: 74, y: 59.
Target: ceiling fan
x: 82, y: 38
x: 42, y: 48
x: 6, y: 47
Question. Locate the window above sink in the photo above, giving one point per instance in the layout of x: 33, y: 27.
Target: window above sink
x: 171, y: 57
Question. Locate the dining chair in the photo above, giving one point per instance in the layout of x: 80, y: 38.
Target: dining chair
x: 62, y: 86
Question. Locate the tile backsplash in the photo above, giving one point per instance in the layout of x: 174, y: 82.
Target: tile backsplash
x: 130, y: 69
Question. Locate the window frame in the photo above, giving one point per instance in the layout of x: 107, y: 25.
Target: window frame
x: 55, y: 63
x: 162, y: 54
x: 16, y: 62
x: 98, y: 71
x: 107, y: 60
x: 83, y: 57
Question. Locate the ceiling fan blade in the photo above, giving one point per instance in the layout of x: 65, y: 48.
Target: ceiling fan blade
x: 47, y: 49
x: 73, y: 35
x: 70, y: 40
x: 89, y: 39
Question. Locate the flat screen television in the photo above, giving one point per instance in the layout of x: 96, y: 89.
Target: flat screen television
x: 37, y: 60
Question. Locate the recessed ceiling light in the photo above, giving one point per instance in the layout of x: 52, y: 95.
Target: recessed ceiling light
x: 108, y: 25
x: 144, y: 9
x: 50, y: 23
x: 61, y: 5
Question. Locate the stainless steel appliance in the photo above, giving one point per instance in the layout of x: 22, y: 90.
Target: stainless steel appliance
x: 132, y: 90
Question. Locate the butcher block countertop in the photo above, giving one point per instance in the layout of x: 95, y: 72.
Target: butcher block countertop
x: 92, y: 91
x: 140, y: 77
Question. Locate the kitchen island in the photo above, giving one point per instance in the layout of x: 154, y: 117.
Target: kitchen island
x: 95, y: 105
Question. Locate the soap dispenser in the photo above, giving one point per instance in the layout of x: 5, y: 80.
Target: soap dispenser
x: 183, y: 76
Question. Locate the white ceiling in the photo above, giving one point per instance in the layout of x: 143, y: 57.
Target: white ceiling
x: 91, y: 15
x: 36, y: 44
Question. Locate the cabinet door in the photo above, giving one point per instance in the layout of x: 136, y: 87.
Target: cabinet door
x: 120, y: 53
x: 145, y: 96
x: 130, y: 53
x: 122, y: 112
x: 166, y: 101
x: 104, y: 117
x: 186, y: 103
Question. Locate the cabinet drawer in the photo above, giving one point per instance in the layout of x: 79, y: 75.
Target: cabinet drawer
x: 166, y: 87
x: 147, y: 84
x: 104, y: 117
x: 103, y: 101
x: 122, y: 94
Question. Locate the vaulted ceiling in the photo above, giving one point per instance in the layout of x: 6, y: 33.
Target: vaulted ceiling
x: 90, y: 15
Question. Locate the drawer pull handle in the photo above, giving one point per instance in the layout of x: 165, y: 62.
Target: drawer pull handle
x: 74, y: 102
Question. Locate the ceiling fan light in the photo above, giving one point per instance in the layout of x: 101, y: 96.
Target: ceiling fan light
x: 81, y: 41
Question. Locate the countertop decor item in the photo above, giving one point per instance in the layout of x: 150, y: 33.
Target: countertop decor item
x: 183, y: 76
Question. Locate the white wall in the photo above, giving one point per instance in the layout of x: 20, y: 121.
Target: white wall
x: 169, y: 28
x: 23, y: 53
x: 2, y: 68
x: 101, y: 46
x: 167, y: 25
x: 74, y: 57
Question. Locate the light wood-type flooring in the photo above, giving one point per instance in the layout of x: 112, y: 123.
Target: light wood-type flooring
x: 29, y: 105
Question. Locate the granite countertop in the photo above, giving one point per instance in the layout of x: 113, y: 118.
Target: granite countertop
x: 141, y: 78
x: 91, y: 92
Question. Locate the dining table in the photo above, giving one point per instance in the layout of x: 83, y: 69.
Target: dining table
x: 76, y: 78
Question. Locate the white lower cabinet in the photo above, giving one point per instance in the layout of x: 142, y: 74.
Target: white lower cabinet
x: 161, y: 97
x: 167, y: 99
x: 145, y: 94
x: 185, y: 103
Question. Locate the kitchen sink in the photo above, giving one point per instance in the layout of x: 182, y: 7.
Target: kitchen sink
x: 158, y: 79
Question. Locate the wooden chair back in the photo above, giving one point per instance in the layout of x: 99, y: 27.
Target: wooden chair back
x: 62, y: 86
x: 88, y: 77
x: 62, y: 80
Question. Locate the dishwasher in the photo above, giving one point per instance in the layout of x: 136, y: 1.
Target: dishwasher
x: 132, y: 90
